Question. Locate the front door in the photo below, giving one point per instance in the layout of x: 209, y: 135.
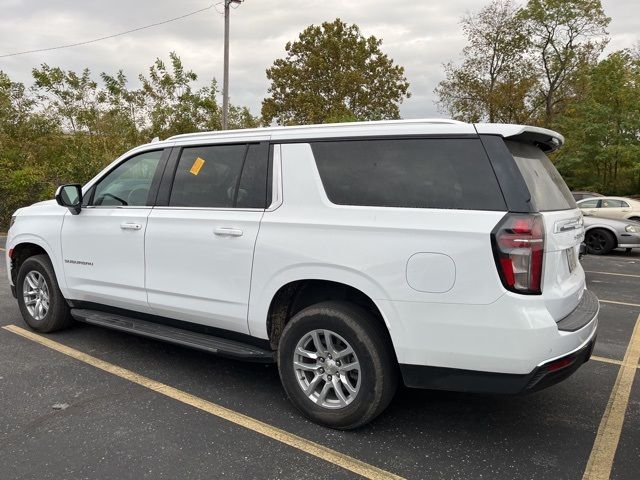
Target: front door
x: 199, y: 245
x: 103, y: 246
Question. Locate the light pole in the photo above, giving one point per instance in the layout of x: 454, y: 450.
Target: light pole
x: 225, y: 77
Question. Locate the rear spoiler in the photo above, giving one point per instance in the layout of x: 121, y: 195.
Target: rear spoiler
x: 547, y: 140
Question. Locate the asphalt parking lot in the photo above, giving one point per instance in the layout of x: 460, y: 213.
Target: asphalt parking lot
x: 94, y: 403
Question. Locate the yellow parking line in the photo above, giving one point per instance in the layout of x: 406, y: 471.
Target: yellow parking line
x: 307, y: 446
x: 2, y: 249
x: 606, y: 443
x: 611, y: 360
x: 620, y: 303
x: 609, y: 273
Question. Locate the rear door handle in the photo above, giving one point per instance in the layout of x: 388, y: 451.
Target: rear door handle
x: 228, y: 232
x: 130, y: 226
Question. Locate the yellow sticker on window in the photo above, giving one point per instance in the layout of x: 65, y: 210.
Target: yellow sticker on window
x: 197, y: 166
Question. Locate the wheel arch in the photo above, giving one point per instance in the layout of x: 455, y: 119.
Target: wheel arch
x: 611, y: 230
x: 294, y: 295
x: 23, y: 247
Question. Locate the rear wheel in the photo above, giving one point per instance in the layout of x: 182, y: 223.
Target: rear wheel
x: 336, y: 364
x: 41, y: 303
x: 599, y: 241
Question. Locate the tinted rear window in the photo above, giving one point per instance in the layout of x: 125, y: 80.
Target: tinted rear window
x: 546, y: 185
x: 208, y: 176
x: 412, y: 173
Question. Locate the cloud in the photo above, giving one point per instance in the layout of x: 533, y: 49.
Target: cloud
x: 418, y: 35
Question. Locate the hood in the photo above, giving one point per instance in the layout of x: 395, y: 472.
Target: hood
x: 44, y: 202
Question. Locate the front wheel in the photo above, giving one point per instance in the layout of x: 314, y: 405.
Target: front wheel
x: 41, y: 303
x: 599, y: 241
x: 336, y: 364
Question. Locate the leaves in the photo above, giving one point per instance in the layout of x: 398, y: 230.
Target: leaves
x: 494, y: 82
x: 520, y: 62
x: 68, y: 126
x: 565, y: 35
x: 332, y: 73
x: 602, y: 127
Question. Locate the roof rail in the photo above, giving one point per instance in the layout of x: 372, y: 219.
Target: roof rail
x: 267, y: 130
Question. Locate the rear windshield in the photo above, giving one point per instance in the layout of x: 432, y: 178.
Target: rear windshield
x: 411, y: 173
x: 546, y: 185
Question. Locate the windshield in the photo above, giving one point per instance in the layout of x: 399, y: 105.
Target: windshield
x: 546, y: 185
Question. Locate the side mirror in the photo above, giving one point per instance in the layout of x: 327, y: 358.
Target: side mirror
x: 70, y: 196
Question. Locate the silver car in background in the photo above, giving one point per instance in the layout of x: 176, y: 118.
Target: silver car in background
x: 604, y: 234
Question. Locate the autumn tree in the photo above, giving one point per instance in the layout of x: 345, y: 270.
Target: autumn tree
x: 333, y: 73
x: 495, y: 81
x: 565, y: 36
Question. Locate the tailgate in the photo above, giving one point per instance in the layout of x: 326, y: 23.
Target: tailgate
x: 563, y: 280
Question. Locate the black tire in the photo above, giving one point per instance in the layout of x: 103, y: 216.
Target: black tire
x: 57, y: 316
x: 599, y: 241
x: 369, y: 340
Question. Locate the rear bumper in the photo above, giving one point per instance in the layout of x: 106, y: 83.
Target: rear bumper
x: 584, y: 313
x: 545, y: 375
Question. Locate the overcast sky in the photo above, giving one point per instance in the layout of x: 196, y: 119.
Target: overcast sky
x: 419, y: 35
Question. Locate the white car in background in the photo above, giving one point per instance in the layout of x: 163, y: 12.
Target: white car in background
x: 618, y: 208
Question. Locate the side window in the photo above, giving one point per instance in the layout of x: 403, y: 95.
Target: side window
x: 208, y: 176
x: 129, y: 183
x: 589, y: 204
x: 610, y: 203
x: 624, y: 204
x: 412, y: 173
x: 252, y: 192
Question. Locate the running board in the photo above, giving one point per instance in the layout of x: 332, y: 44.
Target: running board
x: 178, y: 336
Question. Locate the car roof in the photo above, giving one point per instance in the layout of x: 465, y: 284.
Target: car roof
x: 626, y: 199
x: 547, y: 139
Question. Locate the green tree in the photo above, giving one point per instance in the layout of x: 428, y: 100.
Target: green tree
x: 332, y: 73
x: 26, y: 139
x: 603, y: 128
x: 68, y: 125
x: 495, y: 80
x: 565, y: 35
x: 174, y: 106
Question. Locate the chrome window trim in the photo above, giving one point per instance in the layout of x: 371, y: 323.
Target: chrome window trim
x: 111, y: 207
x: 219, y: 209
x: 276, y: 186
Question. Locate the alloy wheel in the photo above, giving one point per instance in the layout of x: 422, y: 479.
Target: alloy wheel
x: 35, y: 293
x: 327, y: 369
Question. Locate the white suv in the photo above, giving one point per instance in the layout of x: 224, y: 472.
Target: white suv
x: 439, y: 253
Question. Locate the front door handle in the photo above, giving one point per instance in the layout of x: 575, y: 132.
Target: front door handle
x: 130, y: 226
x: 228, y: 232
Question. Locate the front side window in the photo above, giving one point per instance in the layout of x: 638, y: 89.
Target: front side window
x: 208, y: 177
x: 129, y: 183
x: 589, y: 204
x: 410, y: 173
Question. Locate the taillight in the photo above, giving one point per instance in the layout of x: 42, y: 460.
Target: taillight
x: 518, y: 247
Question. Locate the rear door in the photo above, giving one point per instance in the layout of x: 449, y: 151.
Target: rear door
x: 202, y: 233
x: 613, y: 208
x: 563, y: 277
